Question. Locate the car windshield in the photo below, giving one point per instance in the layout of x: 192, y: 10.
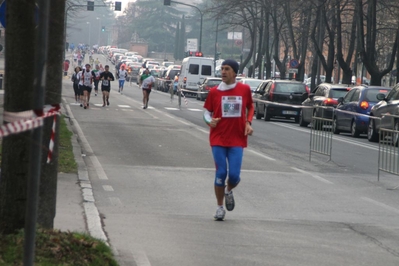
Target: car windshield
x: 213, y: 83
x: 371, y: 94
x: 253, y: 83
x: 290, y: 88
x: 337, y: 93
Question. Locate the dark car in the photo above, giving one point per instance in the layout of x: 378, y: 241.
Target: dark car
x: 205, y: 86
x: 325, y: 94
x: 388, y: 104
x: 359, y: 100
x: 275, y: 98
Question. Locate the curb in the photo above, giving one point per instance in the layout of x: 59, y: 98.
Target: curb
x: 93, y: 220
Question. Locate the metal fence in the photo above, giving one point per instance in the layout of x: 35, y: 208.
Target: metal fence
x: 388, y: 151
x: 321, y: 133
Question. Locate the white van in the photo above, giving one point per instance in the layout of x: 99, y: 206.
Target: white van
x: 193, y: 71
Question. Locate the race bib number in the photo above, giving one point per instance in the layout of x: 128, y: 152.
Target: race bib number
x: 231, y: 106
x: 105, y: 82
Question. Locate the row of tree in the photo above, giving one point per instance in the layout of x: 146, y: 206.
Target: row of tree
x: 323, y: 34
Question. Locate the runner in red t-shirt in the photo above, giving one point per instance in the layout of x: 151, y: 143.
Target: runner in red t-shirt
x: 229, y: 112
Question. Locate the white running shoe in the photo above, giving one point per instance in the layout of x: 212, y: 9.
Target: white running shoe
x: 220, y: 213
x: 229, y: 201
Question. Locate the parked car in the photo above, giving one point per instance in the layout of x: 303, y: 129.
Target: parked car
x: 388, y: 104
x: 253, y: 83
x: 360, y: 100
x: 276, y: 92
x: 325, y: 95
x: 205, y: 86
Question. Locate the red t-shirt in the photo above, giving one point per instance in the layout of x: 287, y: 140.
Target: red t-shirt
x: 230, y: 106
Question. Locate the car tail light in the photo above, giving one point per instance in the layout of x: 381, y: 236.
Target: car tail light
x: 330, y: 101
x: 348, y: 89
x: 307, y: 89
x: 185, y: 79
x: 364, y: 105
x: 271, y: 92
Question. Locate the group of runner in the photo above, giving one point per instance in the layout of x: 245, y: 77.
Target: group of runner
x: 84, y: 79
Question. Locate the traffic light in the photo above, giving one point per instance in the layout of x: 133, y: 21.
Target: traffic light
x: 102, y: 28
x: 118, y: 6
x: 90, y: 5
x: 166, y: 2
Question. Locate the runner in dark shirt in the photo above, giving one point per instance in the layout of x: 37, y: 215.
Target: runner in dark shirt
x: 106, y: 77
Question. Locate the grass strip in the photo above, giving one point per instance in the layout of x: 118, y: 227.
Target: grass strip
x: 66, y: 161
x: 54, y: 247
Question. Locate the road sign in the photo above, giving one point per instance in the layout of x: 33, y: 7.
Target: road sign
x: 3, y: 13
x: 294, y: 63
x: 192, y: 45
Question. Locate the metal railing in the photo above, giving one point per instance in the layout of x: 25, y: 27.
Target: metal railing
x: 321, y: 132
x: 388, y: 151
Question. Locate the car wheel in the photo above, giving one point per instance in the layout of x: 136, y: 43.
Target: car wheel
x: 372, y: 134
x: 266, y: 116
x: 301, y: 122
x: 258, y: 115
x: 354, y: 131
x: 335, y: 126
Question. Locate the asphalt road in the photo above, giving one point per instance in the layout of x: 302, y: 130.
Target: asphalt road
x: 152, y: 175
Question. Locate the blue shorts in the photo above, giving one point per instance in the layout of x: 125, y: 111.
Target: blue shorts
x: 121, y: 83
x: 227, y: 157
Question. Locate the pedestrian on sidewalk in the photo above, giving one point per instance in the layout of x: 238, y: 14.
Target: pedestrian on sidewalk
x: 122, y: 74
x: 146, y: 82
x: 229, y: 112
x: 75, y: 79
x: 106, y: 77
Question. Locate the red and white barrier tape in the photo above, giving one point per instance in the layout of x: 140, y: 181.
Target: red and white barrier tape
x: 27, y: 120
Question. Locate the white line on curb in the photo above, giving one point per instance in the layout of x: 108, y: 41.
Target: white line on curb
x: 92, y: 215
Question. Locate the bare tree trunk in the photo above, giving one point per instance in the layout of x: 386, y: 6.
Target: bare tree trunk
x: 19, y: 58
x: 48, y: 180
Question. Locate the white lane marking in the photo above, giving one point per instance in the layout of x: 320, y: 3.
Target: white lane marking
x: 127, y: 110
x: 354, y: 142
x: 99, y: 169
x: 260, y: 154
x: 387, y: 207
x: 108, y: 188
x: 313, y: 175
x: 98, y: 104
x: 172, y: 108
x: 194, y: 109
x: 141, y: 259
x: 124, y: 106
x: 115, y: 201
x: 74, y: 104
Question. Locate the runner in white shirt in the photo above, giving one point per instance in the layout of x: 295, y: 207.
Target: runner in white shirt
x: 122, y: 74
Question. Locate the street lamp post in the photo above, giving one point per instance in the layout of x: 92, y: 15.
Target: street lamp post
x: 99, y: 30
x: 89, y: 32
x: 199, y: 10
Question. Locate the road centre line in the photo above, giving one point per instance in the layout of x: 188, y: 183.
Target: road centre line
x: 261, y: 155
x: 108, y: 188
x: 338, y: 138
x: 313, y: 175
x: 380, y: 204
